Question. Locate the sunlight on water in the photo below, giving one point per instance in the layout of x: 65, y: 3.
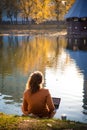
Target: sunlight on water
x: 66, y: 83
x: 65, y: 73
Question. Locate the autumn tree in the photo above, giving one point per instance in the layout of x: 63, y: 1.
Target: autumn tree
x: 26, y: 7
x: 11, y: 8
x: 61, y: 7
x: 39, y: 10
x: 69, y: 3
x: 43, y: 10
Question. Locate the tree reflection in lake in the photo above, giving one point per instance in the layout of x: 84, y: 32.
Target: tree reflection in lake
x: 20, y: 55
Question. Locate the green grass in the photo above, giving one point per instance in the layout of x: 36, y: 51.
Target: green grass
x: 13, y: 122
x: 8, y: 122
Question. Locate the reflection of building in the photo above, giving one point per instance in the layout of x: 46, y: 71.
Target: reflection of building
x: 77, y: 18
x: 80, y: 58
x: 77, y: 43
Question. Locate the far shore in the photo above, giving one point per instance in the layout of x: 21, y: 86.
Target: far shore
x: 53, y: 30
x: 34, y: 32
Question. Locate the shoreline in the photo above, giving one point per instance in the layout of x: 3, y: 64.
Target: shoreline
x: 42, y: 29
x: 33, y: 32
x: 30, y: 123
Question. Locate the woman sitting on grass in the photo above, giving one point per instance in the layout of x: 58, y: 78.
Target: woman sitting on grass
x: 36, y: 99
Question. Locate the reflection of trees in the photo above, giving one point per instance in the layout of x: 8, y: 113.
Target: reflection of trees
x: 60, y: 44
x: 32, y: 53
x: 22, y: 55
x: 7, y: 66
x: 37, y: 54
x: 6, y: 58
x: 1, y: 42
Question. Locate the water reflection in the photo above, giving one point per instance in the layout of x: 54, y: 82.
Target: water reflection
x: 21, y: 55
x: 77, y: 43
x: 67, y: 83
x: 81, y: 62
x: 63, y: 70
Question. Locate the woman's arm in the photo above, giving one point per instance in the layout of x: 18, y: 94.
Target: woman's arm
x: 50, y: 105
x: 24, y: 107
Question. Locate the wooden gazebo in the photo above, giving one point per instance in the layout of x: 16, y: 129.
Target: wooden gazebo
x: 76, y: 18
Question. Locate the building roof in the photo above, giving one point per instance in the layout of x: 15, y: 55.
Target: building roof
x: 79, y: 10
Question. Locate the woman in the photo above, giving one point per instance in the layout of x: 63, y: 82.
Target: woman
x: 36, y: 99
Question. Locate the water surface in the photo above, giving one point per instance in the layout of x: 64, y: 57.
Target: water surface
x: 64, y: 69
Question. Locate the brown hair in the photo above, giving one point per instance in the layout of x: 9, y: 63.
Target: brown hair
x: 35, y: 81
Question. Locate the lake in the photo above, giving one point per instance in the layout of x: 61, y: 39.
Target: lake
x: 63, y: 62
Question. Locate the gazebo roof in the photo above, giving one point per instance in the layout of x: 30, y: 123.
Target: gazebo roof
x: 78, y: 10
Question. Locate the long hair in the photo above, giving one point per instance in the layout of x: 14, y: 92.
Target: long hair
x: 35, y: 81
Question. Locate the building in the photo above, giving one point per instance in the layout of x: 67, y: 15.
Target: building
x: 77, y: 18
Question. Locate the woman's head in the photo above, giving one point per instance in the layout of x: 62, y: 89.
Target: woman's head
x: 35, y: 80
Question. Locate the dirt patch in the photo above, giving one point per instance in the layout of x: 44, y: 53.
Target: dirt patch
x: 27, y: 124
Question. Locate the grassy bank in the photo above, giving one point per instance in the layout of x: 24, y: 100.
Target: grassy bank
x: 13, y: 122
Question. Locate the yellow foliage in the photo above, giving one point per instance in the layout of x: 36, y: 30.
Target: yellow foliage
x: 35, y: 54
x: 41, y: 10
